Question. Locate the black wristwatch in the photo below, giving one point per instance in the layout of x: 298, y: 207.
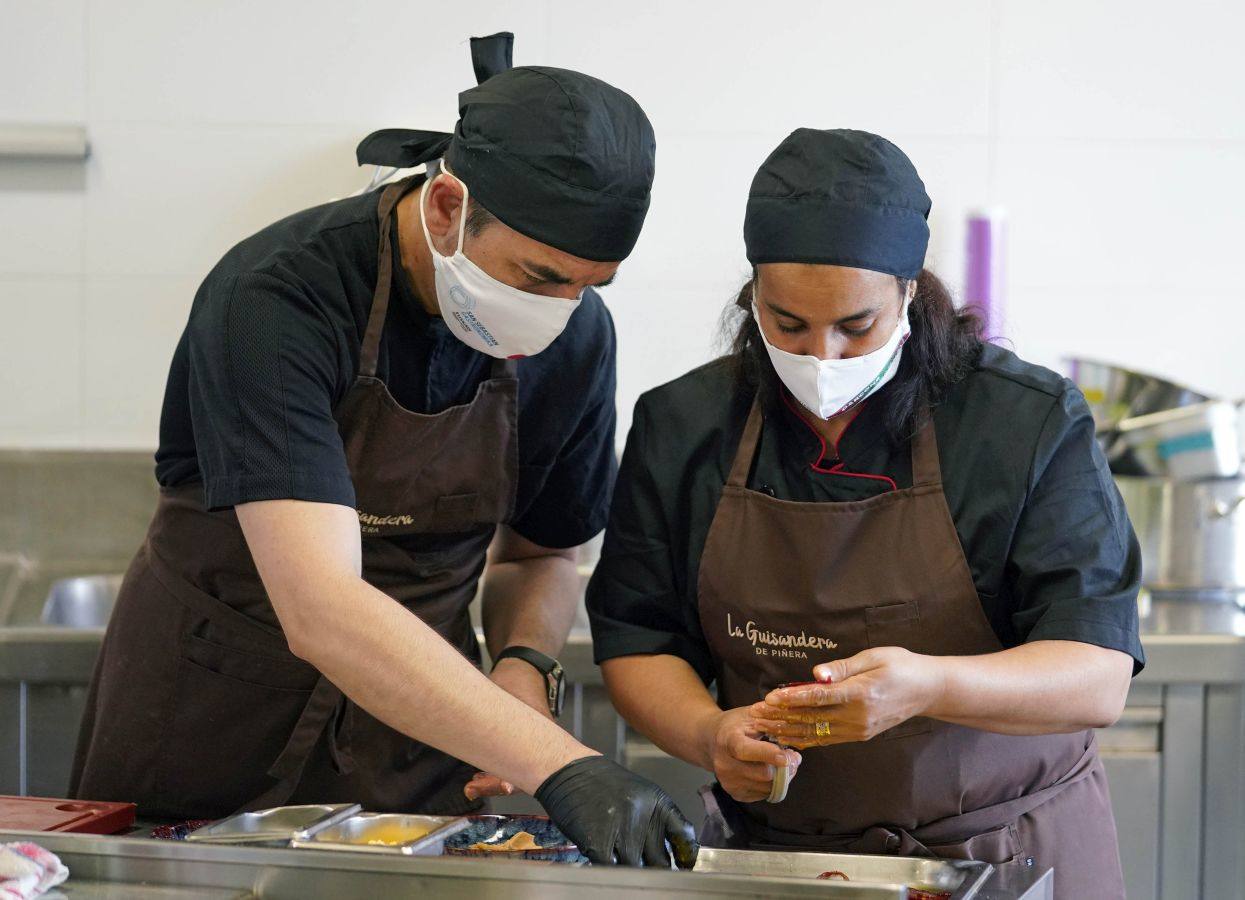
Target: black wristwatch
x: 555, y: 679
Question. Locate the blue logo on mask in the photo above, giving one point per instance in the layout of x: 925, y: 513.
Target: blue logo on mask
x: 462, y: 299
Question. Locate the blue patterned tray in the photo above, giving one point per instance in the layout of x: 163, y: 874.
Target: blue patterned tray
x: 554, y: 846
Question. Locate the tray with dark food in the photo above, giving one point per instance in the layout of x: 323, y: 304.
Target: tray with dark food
x: 513, y: 837
x: 923, y: 878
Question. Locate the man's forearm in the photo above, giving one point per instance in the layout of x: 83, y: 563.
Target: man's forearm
x: 530, y: 594
x: 530, y: 602
x: 382, y: 656
x: 403, y: 673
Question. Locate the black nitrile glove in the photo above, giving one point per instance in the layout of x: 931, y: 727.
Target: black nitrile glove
x: 615, y: 816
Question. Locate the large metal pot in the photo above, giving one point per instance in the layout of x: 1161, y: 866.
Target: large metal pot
x: 1192, y: 534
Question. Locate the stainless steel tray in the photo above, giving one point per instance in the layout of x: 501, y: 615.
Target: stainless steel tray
x: 356, y: 832
x: 962, y: 878
x: 278, y: 825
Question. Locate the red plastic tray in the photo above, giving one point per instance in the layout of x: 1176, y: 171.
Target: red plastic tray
x: 51, y: 814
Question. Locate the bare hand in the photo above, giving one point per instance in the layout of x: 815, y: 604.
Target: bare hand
x: 743, y: 763
x: 864, y: 695
x: 485, y: 785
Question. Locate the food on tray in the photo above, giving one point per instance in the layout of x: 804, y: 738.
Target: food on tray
x: 513, y: 837
x: 913, y: 893
x: 521, y: 840
x: 393, y: 835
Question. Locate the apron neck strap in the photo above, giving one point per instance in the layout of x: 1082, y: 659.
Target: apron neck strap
x: 505, y: 368
x: 747, y: 447
x: 925, y: 467
x: 369, y: 355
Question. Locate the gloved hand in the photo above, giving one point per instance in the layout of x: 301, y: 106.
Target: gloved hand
x: 615, y: 816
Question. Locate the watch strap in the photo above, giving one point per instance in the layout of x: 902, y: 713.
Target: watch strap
x: 545, y: 664
x: 548, y: 667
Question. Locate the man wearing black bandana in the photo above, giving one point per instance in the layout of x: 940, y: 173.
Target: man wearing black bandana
x: 368, y: 396
x: 894, y: 548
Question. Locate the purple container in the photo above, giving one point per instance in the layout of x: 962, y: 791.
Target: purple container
x: 983, y: 280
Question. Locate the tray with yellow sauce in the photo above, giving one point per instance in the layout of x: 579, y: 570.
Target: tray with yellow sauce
x: 399, y: 833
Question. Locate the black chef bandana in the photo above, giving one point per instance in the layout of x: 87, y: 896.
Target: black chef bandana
x: 839, y: 197
x: 561, y: 157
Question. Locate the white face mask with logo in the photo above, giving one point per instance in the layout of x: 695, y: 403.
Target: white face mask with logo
x: 829, y: 387
x: 486, y: 314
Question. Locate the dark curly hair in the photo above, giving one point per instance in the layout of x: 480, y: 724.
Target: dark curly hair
x: 945, y: 344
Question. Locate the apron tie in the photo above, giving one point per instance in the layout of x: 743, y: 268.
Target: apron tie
x: 324, y: 708
x: 324, y: 712
x: 884, y: 839
x: 881, y: 840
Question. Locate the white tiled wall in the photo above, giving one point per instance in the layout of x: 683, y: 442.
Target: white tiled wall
x: 1113, y: 133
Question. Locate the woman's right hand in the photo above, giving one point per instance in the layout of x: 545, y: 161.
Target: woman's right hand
x: 743, y: 763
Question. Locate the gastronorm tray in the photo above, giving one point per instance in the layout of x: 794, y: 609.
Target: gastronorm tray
x: 278, y: 825
x: 385, y: 833
x: 962, y: 878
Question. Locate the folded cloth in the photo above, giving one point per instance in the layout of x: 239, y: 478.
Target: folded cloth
x: 27, y: 870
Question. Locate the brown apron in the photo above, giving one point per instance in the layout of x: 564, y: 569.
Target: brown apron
x: 198, y: 708
x: 785, y: 585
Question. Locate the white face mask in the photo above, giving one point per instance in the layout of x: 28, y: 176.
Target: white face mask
x: 486, y: 314
x: 828, y: 387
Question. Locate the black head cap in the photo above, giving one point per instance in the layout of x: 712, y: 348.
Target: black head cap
x: 838, y: 197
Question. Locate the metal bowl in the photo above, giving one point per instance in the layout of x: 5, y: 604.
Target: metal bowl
x: 1115, y: 393
x: 82, y: 602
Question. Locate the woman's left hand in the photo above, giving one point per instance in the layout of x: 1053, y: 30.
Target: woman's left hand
x: 863, y: 695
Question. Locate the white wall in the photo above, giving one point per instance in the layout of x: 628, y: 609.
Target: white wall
x: 1113, y: 133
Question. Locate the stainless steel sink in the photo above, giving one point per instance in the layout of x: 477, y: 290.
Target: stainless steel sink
x: 83, y: 602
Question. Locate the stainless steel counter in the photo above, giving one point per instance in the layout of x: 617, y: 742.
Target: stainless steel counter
x: 1185, y: 641
x: 1188, y: 641
x: 1175, y: 761
x: 110, y: 867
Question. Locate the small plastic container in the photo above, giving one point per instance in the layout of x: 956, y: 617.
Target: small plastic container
x: 784, y: 775
x: 780, y: 784
x: 1188, y: 443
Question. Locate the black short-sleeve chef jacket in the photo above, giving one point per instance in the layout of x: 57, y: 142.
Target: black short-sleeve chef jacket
x: 273, y: 344
x: 1045, y: 533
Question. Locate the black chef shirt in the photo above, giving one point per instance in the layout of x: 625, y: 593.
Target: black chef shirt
x: 1050, y: 547
x: 273, y: 344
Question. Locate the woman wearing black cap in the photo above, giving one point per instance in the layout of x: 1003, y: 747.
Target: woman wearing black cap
x: 866, y: 494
